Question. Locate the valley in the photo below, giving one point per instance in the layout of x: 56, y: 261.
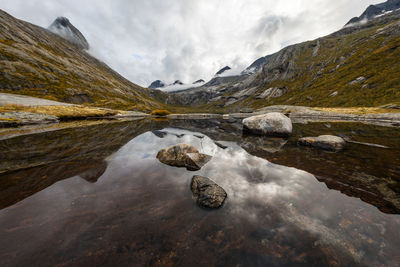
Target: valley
x: 293, y: 160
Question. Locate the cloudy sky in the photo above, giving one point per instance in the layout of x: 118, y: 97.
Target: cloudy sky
x: 189, y: 39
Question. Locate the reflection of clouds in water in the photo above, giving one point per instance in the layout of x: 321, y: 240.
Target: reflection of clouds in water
x: 147, y: 144
x: 269, y: 197
x: 246, y: 178
x: 255, y: 186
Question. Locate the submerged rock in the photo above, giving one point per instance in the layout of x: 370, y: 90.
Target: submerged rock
x: 207, y: 193
x: 183, y: 155
x: 220, y: 145
x: 159, y: 134
x: 274, y: 124
x: 195, y: 161
x: 326, y: 142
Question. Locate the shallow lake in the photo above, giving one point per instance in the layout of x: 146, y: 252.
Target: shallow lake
x: 97, y: 195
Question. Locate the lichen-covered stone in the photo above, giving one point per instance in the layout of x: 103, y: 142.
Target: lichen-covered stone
x: 207, y: 193
x: 273, y: 124
x: 326, y: 142
x: 195, y: 161
x: 183, y: 155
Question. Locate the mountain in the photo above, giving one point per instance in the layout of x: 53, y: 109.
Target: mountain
x: 355, y: 66
x: 156, y: 84
x: 221, y: 71
x: 177, y: 82
x: 376, y: 10
x: 255, y: 66
x: 199, y: 81
x: 36, y: 62
x: 62, y: 27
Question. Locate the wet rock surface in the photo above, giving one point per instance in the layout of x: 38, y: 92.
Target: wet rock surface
x: 207, y: 193
x: 195, y: 161
x: 273, y: 124
x: 183, y: 155
x: 326, y: 142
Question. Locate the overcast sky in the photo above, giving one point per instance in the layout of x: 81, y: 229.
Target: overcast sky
x: 189, y: 39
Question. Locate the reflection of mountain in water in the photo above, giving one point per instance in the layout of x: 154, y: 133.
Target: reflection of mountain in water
x: 93, y: 174
x: 37, y: 161
x: 359, y: 171
x: 142, y: 211
x: 368, y: 173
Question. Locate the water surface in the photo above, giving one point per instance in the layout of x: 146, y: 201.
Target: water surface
x: 97, y: 195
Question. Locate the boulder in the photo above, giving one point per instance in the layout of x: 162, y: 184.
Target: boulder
x: 272, y: 124
x: 159, y: 134
x: 326, y: 142
x: 334, y: 93
x: 195, y: 161
x: 207, y: 193
x: 183, y: 155
x: 360, y: 79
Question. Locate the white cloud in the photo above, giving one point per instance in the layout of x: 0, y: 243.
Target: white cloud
x: 189, y: 40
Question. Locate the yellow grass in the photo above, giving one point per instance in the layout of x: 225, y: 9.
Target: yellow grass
x: 358, y: 110
x: 160, y: 112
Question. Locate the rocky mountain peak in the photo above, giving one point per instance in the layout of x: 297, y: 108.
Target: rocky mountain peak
x: 224, y: 69
x: 177, y: 82
x: 255, y: 66
x: 156, y: 84
x: 199, y: 81
x: 64, y: 28
x: 375, y: 10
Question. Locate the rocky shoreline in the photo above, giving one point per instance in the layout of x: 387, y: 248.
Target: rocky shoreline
x: 302, y: 115
x: 297, y: 114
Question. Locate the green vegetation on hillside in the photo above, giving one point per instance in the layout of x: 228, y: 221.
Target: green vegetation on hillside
x: 373, y: 53
x: 38, y: 63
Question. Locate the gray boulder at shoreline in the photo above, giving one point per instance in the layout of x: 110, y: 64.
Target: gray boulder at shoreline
x: 272, y: 124
x: 207, y: 193
x: 326, y: 142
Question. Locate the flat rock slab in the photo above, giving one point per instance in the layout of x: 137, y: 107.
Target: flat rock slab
x: 326, y: 142
x: 24, y: 100
x: 207, y: 193
x: 16, y: 118
x: 272, y: 124
x: 183, y: 155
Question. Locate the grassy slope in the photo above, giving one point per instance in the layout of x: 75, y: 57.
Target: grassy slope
x: 364, y: 53
x: 38, y: 63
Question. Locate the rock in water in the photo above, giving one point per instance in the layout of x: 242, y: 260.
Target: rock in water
x: 195, y: 161
x: 176, y: 155
x: 273, y: 124
x: 207, y: 193
x: 326, y: 142
x: 183, y: 155
x: 159, y: 134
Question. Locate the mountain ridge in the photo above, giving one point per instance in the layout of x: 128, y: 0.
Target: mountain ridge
x: 354, y: 66
x: 375, y: 10
x: 39, y: 63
